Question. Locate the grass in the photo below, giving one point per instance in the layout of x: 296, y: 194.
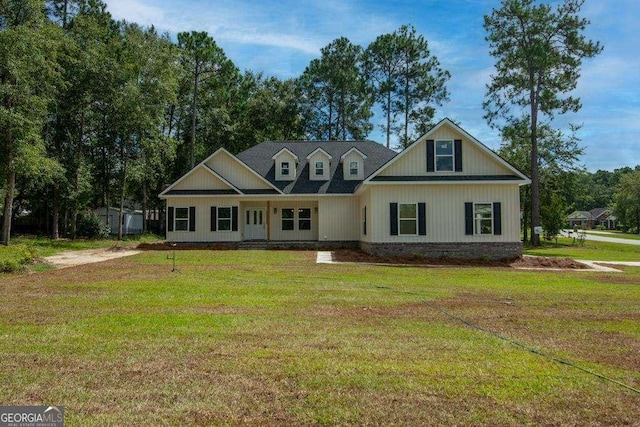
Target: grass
x: 270, y: 337
x: 591, y: 250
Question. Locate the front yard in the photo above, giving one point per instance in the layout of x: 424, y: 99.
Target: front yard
x: 256, y: 337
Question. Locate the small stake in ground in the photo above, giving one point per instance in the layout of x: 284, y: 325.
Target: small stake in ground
x: 173, y: 257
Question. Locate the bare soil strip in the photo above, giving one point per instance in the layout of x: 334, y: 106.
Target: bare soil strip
x: 89, y: 256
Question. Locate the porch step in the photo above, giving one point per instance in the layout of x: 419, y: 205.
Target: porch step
x: 253, y: 246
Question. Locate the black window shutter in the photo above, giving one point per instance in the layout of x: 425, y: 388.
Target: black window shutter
x: 170, y: 219
x: 422, y: 219
x: 468, y: 219
x: 457, y: 149
x: 234, y: 218
x: 214, y: 218
x: 431, y: 158
x: 393, y: 218
x: 192, y: 218
x: 497, y: 219
x: 364, y: 221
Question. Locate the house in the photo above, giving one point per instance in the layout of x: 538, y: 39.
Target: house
x: 131, y: 220
x: 446, y: 195
x: 593, y: 218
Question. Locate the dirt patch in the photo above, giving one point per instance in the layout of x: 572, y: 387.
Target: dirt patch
x: 520, y: 262
x: 89, y: 256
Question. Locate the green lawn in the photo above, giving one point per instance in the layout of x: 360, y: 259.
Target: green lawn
x: 590, y: 250
x: 270, y: 337
x: 618, y: 235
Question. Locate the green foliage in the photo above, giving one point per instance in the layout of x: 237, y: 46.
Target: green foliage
x: 553, y: 215
x: 539, y: 52
x: 407, y: 81
x: 91, y: 226
x: 16, y: 258
x: 334, y: 100
x: 627, y: 200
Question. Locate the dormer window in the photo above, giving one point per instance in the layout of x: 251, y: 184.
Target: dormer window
x: 284, y: 169
x: 353, y: 168
x: 320, y: 168
x: 444, y: 156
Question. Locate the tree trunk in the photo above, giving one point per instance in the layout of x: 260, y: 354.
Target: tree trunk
x: 55, y: 222
x: 145, y: 227
x: 122, y: 193
x: 388, y: 119
x: 194, y: 115
x: 10, y: 187
x: 535, y: 182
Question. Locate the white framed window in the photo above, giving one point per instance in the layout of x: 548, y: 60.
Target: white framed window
x: 353, y: 168
x: 181, y: 219
x: 483, y: 218
x: 444, y: 156
x: 408, y: 219
x: 284, y: 168
x: 224, y: 219
x: 319, y: 168
x: 288, y: 220
x: 304, y: 219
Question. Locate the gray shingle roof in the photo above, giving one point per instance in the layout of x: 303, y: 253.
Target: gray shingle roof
x: 259, y: 158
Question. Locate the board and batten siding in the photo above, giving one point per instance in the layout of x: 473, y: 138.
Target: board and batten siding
x: 365, y: 201
x: 354, y: 156
x: 339, y: 219
x: 275, y: 221
x: 236, y: 173
x: 201, y: 179
x: 203, y: 231
x: 445, y: 211
x: 474, y: 160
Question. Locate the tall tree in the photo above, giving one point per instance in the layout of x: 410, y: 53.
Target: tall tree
x: 407, y: 81
x: 539, y: 52
x: 202, y: 58
x: 334, y: 99
x: 29, y: 78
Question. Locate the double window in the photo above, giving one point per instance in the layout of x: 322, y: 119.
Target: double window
x: 483, y: 218
x: 224, y: 219
x: 408, y: 219
x: 181, y: 221
x: 291, y: 216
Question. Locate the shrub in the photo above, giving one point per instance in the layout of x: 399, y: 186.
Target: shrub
x: 90, y: 225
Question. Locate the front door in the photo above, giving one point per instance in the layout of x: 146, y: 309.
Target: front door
x: 255, y: 224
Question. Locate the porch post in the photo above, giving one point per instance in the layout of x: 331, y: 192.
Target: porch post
x: 268, y: 221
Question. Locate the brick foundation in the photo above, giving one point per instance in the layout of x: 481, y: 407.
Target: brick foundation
x: 490, y: 251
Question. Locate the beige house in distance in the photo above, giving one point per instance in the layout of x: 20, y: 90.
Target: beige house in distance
x: 446, y: 195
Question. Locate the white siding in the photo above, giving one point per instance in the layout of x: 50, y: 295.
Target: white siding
x: 354, y: 156
x: 203, y: 231
x: 339, y: 219
x: 235, y: 172
x: 445, y: 215
x: 275, y: 221
x: 285, y: 156
x: 474, y: 160
x: 319, y: 156
x: 201, y: 179
x: 365, y: 201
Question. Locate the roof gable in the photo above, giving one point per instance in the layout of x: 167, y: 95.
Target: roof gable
x: 319, y: 150
x: 478, y: 160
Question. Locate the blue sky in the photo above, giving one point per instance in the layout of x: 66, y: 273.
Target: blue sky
x: 281, y: 37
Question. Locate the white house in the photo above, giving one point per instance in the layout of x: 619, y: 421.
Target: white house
x: 445, y: 195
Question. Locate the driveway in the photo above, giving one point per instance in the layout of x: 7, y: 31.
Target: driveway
x: 74, y: 258
x: 603, y: 237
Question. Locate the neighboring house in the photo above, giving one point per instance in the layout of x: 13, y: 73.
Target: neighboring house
x: 131, y: 220
x: 445, y: 195
x: 593, y: 218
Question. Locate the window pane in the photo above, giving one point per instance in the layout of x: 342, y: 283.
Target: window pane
x: 483, y: 210
x: 182, y: 213
x: 486, y: 226
x: 287, y: 224
x: 248, y: 218
x: 287, y: 213
x: 444, y: 164
x: 181, y: 224
x: 224, y: 213
x: 304, y: 213
x: 483, y: 218
x: 444, y: 148
x: 408, y: 226
x: 353, y: 168
x: 284, y: 168
x: 304, y: 224
x: 408, y: 211
x: 224, y: 225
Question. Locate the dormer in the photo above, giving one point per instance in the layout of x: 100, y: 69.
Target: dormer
x: 319, y: 165
x: 353, y: 164
x: 285, y: 164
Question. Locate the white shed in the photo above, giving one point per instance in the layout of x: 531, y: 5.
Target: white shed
x: 132, y: 220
